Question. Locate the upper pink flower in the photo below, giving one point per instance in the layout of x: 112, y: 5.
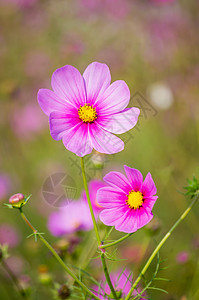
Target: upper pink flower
x: 128, y: 201
x: 85, y: 110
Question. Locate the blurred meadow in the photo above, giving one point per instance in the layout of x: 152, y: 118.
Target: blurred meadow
x: 152, y: 45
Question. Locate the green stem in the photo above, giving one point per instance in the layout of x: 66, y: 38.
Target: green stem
x: 89, y: 201
x: 108, y: 277
x: 116, y: 242
x: 14, y: 279
x: 161, y: 243
x: 54, y: 253
x: 96, y: 229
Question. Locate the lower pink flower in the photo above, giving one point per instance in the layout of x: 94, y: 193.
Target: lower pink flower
x: 122, y: 282
x: 128, y: 201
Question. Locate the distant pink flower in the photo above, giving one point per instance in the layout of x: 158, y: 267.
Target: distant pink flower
x: 8, y: 235
x: 128, y: 201
x: 182, y: 257
x: 118, y: 9
x: 122, y: 281
x: 27, y: 121
x: 163, y: 1
x: 36, y: 64
x: 93, y: 186
x: 16, y: 264
x: 20, y: 3
x: 73, y: 217
x: 85, y: 110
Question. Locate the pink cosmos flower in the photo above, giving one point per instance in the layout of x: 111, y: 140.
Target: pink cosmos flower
x: 122, y: 281
x: 9, y: 235
x: 182, y: 257
x: 75, y: 215
x: 27, y: 121
x: 94, y: 186
x: 128, y: 201
x: 163, y: 1
x: 85, y: 111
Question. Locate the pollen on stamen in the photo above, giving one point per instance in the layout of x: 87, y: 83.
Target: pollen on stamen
x: 134, y: 200
x: 87, y: 113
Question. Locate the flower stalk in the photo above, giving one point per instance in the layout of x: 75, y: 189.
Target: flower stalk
x: 89, y: 201
x: 54, y: 253
x: 14, y: 279
x: 161, y: 243
x: 96, y: 230
x: 108, y: 277
x: 103, y: 246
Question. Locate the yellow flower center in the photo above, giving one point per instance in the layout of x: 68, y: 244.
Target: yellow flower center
x: 87, y: 113
x: 135, y: 199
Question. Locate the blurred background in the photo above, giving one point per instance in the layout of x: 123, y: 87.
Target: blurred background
x: 154, y: 46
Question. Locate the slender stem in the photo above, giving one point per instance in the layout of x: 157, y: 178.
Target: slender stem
x: 89, y: 201
x: 108, y: 277
x: 96, y: 229
x: 58, y: 258
x: 161, y: 243
x: 116, y: 242
x: 14, y: 279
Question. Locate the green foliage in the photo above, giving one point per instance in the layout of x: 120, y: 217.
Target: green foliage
x: 192, y: 187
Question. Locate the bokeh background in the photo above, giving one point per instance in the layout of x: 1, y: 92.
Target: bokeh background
x: 152, y: 45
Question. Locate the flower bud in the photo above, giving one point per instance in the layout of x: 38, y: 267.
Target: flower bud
x: 3, y: 252
x: 61, y: 247
x: 192, y: 187
x: 17, y: 200
x: 153, y: 227
x: 63, y: 292
x: 44, y: 276
x: 25, y: 285
x: 97, y: 160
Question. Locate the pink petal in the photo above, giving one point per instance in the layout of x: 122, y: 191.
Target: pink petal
x: 60, y: 122
x: 118, y: 181
x: 97, y: 79
x: 120, y: 122
x: 94, y: 186
x: 109, y: 198
x: 135, y: 178
x: 115, y: 98
x: 149, y: 203
x: 103, y: 141
x: 77, y: 140
x: 128, y: 222
x: 148, y: 187
x: 68, y: 83
x: 109, y: 216
x: 143, y: 217
x: 55, y: 224
x: 50, y: 102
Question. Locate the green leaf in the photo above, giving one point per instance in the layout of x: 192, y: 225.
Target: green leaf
x: 192, y: 187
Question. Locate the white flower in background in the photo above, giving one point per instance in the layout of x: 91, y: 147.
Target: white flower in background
x: 160, y: 95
